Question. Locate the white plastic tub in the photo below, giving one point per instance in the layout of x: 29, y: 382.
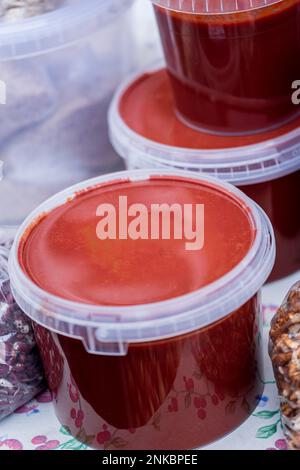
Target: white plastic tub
x: 158, y: 357
x: 60, y: 70
x: 266, y: 167
x: 231, y: 62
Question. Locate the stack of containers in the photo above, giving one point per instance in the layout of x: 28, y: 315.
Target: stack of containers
x: 60, y: 69
x: 224, y: 105
x: 138, y: 353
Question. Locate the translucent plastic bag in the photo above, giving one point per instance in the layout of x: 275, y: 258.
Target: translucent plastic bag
x: 285, y: 355
x: 21, y: 374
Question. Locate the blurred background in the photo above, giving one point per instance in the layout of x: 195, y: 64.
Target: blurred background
x: 61, y: 69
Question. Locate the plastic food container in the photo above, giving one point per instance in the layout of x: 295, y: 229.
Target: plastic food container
x: 147, y: 133
x: 60, y: 71
x: 231, y: 62
x: 146, y: 345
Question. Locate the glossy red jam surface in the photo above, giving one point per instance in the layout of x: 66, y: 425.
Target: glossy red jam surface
x: 63, y: 255
x: 174, y: 393
x: 233, y: 73
x: 147, y: 107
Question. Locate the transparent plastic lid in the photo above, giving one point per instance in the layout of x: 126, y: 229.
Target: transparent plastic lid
x: 256, y: 162
x: 109, y: 330
x: 215, y: 6
x: 53, y: 30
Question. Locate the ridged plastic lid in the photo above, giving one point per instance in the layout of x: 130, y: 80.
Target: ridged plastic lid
x: 58, y: 28
x: 214, y: 6
x: 241, y: 165
x: 109, y: 330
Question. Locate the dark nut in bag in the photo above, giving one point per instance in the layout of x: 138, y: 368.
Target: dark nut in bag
x: 21, y: 374
x: 285, y: 355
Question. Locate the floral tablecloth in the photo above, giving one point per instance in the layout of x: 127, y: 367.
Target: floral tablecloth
x: 35, y: 426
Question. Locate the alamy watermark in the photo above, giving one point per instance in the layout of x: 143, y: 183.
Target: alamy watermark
x: 157, y: 222
x: 296, y: 93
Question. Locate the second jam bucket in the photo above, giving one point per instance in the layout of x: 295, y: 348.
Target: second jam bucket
x: 232, y: 63
x: 146, y: 132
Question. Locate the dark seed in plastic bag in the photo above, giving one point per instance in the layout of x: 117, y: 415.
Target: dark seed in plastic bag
x: 21, y: 374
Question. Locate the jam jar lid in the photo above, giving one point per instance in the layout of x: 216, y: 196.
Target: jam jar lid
x: 214, y: 6
x: 58, y: 28
x: 108, y: 330
x: 240, y: 160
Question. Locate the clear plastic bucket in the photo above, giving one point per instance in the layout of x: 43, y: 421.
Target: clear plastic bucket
x: 156, y: 375
x: 60, y: 70
x: 146, y: 132
x: 231, y: 62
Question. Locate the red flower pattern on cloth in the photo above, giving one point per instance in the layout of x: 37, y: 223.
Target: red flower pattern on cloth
x: 200, y: 402
x: 189, y: 384
x: 11, y: 444
x: 73, y: 391
x: 78, y: 417
x: 173, y: 407
x: 280, y: 444
x: 43, y: 443
x: 51, y: 357
x: 104, y: 436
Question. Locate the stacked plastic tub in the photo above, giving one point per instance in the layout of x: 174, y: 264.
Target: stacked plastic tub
x: 60, y: 69
x: 223, y: 106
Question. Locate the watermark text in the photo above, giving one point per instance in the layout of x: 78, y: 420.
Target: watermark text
x: 157, y: 222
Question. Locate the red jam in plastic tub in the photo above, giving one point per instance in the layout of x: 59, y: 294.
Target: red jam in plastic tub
x: 147, y: 133
x: 231, y: 62
x: 146, y: 345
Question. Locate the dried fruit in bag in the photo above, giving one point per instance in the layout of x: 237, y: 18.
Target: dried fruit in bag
x: 285, y: 354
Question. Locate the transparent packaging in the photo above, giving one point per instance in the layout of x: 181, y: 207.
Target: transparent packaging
x: 21, y: 372
x: 158, y: 375
x: 60, y: 70
x: 284, y: 350
x: 231, y: 62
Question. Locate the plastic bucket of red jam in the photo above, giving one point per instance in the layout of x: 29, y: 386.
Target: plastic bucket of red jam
x: 146, y: 345
x: 147, y: 133
x: 232, y: 63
